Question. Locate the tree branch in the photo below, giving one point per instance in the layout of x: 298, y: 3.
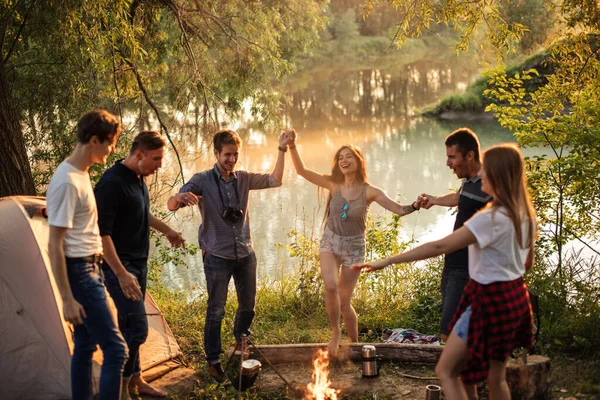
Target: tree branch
x: 21, y: 27
x: 157, y: 113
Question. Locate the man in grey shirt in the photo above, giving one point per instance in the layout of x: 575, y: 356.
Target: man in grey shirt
x: 224, y: 236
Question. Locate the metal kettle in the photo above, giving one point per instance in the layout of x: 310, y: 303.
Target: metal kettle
x: 370, y: 366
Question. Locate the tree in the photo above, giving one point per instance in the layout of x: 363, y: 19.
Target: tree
x: 562, y: 115
x: 59, y: 59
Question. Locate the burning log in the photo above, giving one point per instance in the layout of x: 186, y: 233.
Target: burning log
x: 320, y: 388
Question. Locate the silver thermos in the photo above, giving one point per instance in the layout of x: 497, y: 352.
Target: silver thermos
x: 369, y: 361
x: 432, y: 392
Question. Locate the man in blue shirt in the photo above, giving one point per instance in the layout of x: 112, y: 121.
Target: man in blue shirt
x: 224, y: 236
x: 463, y: 157
x: 125, y: 220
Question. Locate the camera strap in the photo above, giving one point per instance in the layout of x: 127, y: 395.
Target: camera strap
x: 221, y: 195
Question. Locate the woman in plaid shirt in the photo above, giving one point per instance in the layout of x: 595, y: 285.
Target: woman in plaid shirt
x: 494, y: 316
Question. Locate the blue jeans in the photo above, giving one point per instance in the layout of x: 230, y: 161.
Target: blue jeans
x: 453, y: 284
x: 133, y: 321
x: 218, y: 272
x: 461, y: 328
x: 98, y: 328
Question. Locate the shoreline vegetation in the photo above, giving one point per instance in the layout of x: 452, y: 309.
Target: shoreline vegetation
x: 472, y: 103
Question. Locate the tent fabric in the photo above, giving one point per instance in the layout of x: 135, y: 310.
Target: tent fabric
x: 35, y: 342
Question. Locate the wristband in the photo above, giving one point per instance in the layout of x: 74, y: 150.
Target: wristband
x: 291, y: 146
x: 284, y: 149
x: 412, y: 205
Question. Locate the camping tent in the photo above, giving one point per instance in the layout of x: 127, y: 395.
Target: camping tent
x: 35, y: 342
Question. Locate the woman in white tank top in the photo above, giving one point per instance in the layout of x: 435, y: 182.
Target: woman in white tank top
x: 343, y: 241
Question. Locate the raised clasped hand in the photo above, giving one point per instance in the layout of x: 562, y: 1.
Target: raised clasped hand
x: 291, y: 135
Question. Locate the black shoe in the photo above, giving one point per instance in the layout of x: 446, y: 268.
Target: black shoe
x: 217, y: 373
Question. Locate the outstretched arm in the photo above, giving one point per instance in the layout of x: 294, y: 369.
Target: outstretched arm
x: 377, y: 195
x: 172, y: 236
x: 311, y: 176
x: 459, y: 239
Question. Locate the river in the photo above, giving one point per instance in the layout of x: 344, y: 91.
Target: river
x: 374, y: 109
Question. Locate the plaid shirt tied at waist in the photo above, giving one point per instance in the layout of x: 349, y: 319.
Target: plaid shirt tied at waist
x: 501, y: 320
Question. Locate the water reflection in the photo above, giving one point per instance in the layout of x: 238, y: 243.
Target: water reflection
x: 342, y: 96
x: 405, y: 157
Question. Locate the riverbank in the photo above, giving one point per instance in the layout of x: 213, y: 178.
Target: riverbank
x: 472, y: 103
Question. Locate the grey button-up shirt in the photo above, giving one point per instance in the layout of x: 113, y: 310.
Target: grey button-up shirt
x: 216, y: 236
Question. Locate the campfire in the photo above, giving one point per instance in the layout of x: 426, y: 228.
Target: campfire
x: 320, y: 388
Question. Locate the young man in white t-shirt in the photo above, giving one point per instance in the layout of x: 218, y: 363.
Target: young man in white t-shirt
x: 76, y: 254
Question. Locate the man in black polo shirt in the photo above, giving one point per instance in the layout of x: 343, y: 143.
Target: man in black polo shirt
x: 125, y: 219
x: 462, y: 152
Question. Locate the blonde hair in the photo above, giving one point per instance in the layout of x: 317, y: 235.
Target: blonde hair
x: 505, y: 171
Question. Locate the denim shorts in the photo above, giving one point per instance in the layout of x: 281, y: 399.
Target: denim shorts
x: 461, y: 328
x: 349, y: 250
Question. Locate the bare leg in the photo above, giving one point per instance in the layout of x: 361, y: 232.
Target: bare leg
x: 450, y: 365
x: 348, y: 279
x: 497, y: 384
x: 329, y: 272
x: 137, y: 383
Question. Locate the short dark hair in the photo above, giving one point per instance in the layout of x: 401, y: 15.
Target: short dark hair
x: 99, y: 123
x: 225, y: 137
x: 465, y: 140
x: 147, y: 140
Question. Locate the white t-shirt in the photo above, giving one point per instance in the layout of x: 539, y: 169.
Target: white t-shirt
x: 71, y: 204
x: 497, y: 256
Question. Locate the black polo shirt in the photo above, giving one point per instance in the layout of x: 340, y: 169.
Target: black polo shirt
x: 470, y: 200
x: 124, y: 211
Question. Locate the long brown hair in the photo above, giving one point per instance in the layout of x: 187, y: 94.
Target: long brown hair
x: 337, y: 176
x: 504, y: 167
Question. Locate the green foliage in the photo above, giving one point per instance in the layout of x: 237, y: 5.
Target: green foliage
x: 477, y: 95
x: 536, y: 15
x: 569, y: 306
x: 561, y: 116
x: 464, y: 17
x: 61, y: 59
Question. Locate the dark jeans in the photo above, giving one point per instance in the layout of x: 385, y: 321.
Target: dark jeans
x: 133, y: 321
x: 218, y: 272
x: 98, y: 328
x: 454, y: 280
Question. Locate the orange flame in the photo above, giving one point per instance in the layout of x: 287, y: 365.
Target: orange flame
x: 320, y: 388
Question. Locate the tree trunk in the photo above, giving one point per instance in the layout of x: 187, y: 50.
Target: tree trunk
x: 15, y: 172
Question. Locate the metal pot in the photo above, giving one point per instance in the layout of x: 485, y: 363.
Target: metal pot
x: 250, y: 370
x: 370, y: 367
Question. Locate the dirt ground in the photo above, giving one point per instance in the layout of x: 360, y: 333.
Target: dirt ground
x: 344, y: 376
x: 393, y: 381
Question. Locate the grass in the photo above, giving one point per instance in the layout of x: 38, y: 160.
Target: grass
x: 291, y: 310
